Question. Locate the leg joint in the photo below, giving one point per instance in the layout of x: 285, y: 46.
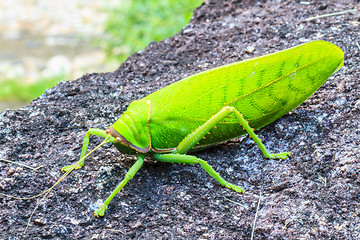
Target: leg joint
x: 201, y: 162
x: 128, y: 176
x: 230, y: 108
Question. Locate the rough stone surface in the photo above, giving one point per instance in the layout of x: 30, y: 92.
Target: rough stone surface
x: 314, y: 194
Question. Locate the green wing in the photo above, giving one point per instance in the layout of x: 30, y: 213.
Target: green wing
x: 262, y: 89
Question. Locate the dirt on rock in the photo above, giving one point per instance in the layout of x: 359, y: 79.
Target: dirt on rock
x: 314, y: 194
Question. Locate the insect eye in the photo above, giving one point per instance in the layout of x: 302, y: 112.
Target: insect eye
x: 118, y: 139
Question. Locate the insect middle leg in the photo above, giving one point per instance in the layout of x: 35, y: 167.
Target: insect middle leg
x: 182, y: 158
x: 192, y: 139
x: 128, y: 176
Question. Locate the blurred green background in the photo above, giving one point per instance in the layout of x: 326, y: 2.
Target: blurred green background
x: 52, y: 41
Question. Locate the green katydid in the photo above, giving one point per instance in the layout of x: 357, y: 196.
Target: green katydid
x: 215, y: 106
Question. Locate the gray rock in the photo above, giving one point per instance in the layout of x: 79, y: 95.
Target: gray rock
x: 313, y: 194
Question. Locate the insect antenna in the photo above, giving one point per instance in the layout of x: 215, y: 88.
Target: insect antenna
x: 46, y: 192
x: 60, y: 179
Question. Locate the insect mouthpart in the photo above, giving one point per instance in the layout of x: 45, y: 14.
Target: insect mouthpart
x: 123, y: 145
x: 118, y: 137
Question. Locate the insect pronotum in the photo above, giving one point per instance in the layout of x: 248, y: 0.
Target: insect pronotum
x: 215, y: 106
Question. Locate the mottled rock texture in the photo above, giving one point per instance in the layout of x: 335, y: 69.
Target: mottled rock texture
x: 314, y: 194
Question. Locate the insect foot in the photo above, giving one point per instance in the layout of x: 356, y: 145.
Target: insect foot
x: 282, y: 155
x: 101, y: 211
x: 67, y: 168
x: 75, y: 166
x: 235, y: 188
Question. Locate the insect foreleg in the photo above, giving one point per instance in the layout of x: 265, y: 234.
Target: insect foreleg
x: 91, y: 131
x: 128, y: 176
x: 192, y: 139
x: 181, y: 158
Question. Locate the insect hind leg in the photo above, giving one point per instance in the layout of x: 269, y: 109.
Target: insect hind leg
x: 192, y: 139
x: 257, y: 140
x: 182, y: 158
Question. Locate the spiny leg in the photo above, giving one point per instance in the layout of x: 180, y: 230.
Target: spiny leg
x: 128, y: 176
x: 91, y: 131
x: 181, y: 158
x: 192, y: 139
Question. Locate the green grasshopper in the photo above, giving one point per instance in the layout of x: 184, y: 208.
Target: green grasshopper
x: 215, y: 106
